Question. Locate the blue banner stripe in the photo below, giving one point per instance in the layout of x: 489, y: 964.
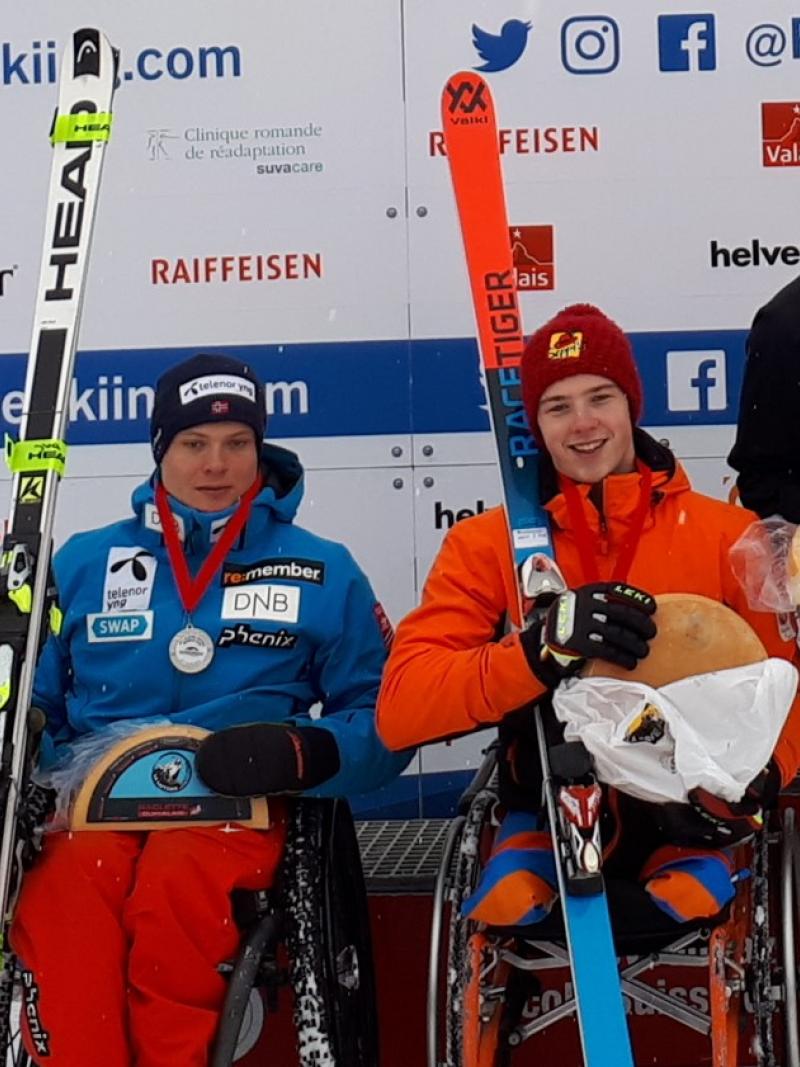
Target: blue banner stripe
x: 380, y: 387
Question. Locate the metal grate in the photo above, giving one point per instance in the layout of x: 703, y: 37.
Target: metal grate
x: 401, y: 856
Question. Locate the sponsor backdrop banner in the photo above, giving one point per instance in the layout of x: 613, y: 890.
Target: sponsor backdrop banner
x: 277, y: 188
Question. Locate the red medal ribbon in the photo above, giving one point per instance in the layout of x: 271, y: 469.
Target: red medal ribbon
x: 587, y: 542
x: 191, y: 590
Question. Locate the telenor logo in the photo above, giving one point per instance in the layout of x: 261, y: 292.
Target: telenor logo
x: 780, y: 134
x: 696, y: 381
x: 217, y: 383
x: 119, y: 626
x: 532, y: 249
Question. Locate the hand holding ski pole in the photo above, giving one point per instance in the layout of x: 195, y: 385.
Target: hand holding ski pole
x: 603, y: 620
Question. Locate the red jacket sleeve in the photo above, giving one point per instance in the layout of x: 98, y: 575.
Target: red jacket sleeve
x: 447, y: 674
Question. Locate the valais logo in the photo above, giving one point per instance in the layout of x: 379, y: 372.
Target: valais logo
x: 533, y: 249
x: 780, y: 135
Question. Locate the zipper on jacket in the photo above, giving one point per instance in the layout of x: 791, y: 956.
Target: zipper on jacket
x: 604, y: 542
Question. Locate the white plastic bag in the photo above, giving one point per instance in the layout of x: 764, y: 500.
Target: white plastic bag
x: 714, y: 730
x: 762, y: 560
x: 68, y: 774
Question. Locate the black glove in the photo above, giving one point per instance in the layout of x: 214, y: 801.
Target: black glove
x: 267, y: 758
x: 766, y: 786
x: 730, y: 822
x: 604, y: 620
x: 708, y: 821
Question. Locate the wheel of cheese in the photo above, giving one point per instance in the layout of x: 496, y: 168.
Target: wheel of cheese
x: 695, y: 635
x: 793, y: 563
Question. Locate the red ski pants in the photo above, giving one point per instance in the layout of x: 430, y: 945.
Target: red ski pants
x: 123, y: 933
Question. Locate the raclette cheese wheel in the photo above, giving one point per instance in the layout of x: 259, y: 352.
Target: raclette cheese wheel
x: 695, y: 635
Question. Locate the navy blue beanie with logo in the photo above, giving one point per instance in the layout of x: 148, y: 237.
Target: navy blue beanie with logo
x: 206, y: 388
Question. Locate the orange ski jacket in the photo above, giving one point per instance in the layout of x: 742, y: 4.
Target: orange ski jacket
x: 449, y: 674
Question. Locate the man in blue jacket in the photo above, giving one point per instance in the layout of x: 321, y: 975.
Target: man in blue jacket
x: 207, y: 607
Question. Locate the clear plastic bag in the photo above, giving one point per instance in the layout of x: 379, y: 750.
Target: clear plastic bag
x: 763, y: 561
x: 67, y: 775
x: 714, y: 730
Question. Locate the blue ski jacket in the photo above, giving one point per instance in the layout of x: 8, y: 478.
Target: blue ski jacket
x: 293, y: 619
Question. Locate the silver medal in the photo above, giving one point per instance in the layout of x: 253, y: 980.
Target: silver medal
x: 191, y: 650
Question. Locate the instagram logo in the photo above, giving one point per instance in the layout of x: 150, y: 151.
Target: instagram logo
x: 590, y: 44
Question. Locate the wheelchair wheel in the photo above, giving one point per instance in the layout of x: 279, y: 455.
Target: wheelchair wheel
x: 236, y: 1019
x: 11, y: 997
x: 328, y: 940
x: 475, y: 1004
x: 790, y: 905
x: 484, y: 1024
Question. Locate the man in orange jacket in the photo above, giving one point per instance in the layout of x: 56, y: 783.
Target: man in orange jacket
x: 626, y: 526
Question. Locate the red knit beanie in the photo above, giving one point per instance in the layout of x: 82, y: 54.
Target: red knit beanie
x: 579, y: 340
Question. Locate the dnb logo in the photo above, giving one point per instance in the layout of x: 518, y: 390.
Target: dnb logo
x: 696, y: 381
x: 780, y: 134
x: 532, y: 248
x: 171, y: 772
x: 466, y: 102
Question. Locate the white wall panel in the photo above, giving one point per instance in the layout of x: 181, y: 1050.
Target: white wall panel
x: 291, y: 81
x: 370, y: 511
x: 636, y: 170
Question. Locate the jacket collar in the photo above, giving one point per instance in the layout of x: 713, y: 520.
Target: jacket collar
x: 277, y: 501
x: 613, y: 505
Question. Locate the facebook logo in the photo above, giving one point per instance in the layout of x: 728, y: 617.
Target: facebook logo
x: 686, y: 42
x: 696, y: 380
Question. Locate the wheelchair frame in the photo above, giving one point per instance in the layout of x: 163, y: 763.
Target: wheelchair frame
x: 478, y: 1023
x: 318, y: 912
x: 320, y: 909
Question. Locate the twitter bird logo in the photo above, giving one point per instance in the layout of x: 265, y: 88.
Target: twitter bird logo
x: 500, y: 51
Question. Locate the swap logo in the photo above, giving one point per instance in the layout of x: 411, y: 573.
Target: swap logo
x: 533, y: 252
x: 119, y: 626
x: 780, y: 134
